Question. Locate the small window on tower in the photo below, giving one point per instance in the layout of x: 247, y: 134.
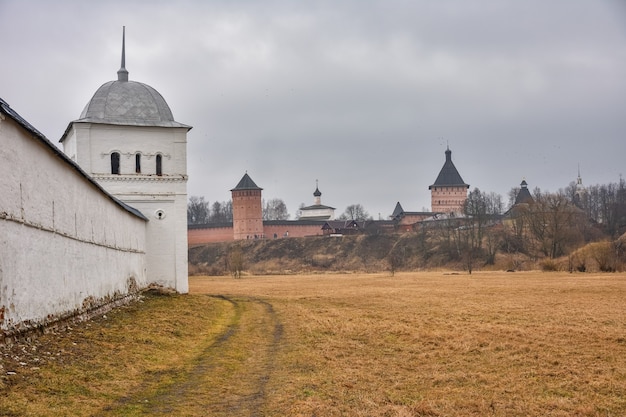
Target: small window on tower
x: 159, y: 165
x: 115, y: 163
x: 138, y: 163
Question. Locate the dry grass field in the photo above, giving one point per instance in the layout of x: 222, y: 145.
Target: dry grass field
x: 415, y: 344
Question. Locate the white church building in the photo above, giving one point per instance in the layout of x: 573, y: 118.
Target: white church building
x: 317, y: 211
x: 88, y: 227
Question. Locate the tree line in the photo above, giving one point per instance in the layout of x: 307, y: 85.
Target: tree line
x: 553, y: 225
x: 550, y: 226
x: 201, y: 211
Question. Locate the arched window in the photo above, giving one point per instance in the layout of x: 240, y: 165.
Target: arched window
x: 115, y: 163
x: 138, y: 163
x: 159, y: 165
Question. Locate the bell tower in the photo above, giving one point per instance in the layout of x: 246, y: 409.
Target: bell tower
x: 127, y: 140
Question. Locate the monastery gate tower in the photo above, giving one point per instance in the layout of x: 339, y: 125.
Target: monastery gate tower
x: 127, y: 140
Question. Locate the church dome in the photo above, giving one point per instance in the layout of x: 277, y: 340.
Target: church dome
x: 124, y: 102
x: 128, y: 103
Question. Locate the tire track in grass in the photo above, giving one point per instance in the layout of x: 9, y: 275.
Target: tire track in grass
x: 228, y: 378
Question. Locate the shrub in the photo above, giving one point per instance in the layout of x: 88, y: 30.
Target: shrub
x: 235, y: 261
x: 204, y: 269
x: 549, y: 265
x: 605, y: 255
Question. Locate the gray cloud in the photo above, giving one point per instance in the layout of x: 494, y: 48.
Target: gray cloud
x: 362, y: 95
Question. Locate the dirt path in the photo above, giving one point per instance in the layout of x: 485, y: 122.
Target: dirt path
x: 228, y: 378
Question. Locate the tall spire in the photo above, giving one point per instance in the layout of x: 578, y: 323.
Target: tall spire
x: 122, y: 73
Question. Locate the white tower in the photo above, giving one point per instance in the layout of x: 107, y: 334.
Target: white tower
x: 579, y: 196
x: 127, y: 139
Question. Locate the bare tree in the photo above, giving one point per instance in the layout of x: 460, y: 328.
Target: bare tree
x: 393, y: 261
x: 275, y: 209
x: 552, y: 221
x: 227, y: 210
x: 493, y: 234
x: 494, y: 202
x: 513, y: 192
x: 222, y: 212
x: 198, y: 211
x: 235, y: 261
x: 471, y: 232
x: 468, y: 237
x: 612, y: 207
x: 355, y: 212
x: 514, y: 239
x: 446, y: 235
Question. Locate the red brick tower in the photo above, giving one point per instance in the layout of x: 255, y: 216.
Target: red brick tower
x: 449, y: 192
x: 247, y: 210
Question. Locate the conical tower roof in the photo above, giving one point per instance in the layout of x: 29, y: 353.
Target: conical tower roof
x: 524, y: 196
x: 449, y: 176
x: 397, y: 211
x: 246, y: 183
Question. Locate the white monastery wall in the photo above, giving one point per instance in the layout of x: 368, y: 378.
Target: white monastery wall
x: 65, y: 245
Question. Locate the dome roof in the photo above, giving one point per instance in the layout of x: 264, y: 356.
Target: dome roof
x: 128, y: 103
x: 124, y: 102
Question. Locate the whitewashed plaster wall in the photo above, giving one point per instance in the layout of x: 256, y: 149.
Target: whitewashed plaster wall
x: 161, y: 198
x: 329, y: 213
x: 91, y: 145
x: 65, y: 245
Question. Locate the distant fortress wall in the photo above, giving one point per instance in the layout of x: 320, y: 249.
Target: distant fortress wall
x: 199, y: 234
x: 272, y: 229
x: 294, y: 228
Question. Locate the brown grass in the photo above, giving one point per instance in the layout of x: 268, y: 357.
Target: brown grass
x: 523, y: 344
x: 416, y: 344
x: 97, y: 368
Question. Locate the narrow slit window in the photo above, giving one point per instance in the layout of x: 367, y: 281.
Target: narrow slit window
x: 159, y: 165
x: 138, y: 163
x: 115, y: 163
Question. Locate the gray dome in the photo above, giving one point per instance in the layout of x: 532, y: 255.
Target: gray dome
x: 128, y: 103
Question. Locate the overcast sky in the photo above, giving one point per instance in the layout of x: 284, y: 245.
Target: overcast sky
x: 363, y: 96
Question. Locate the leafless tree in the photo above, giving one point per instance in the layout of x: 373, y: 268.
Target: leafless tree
x: 604, y: 204
x: 355, y: 212
x: 198, y: 211
x: 476, y: 215
x: 235, y: 261
x: 275, y: 209
x: 222, y: 212
x: 392, y: 261
x: 552, y: 222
